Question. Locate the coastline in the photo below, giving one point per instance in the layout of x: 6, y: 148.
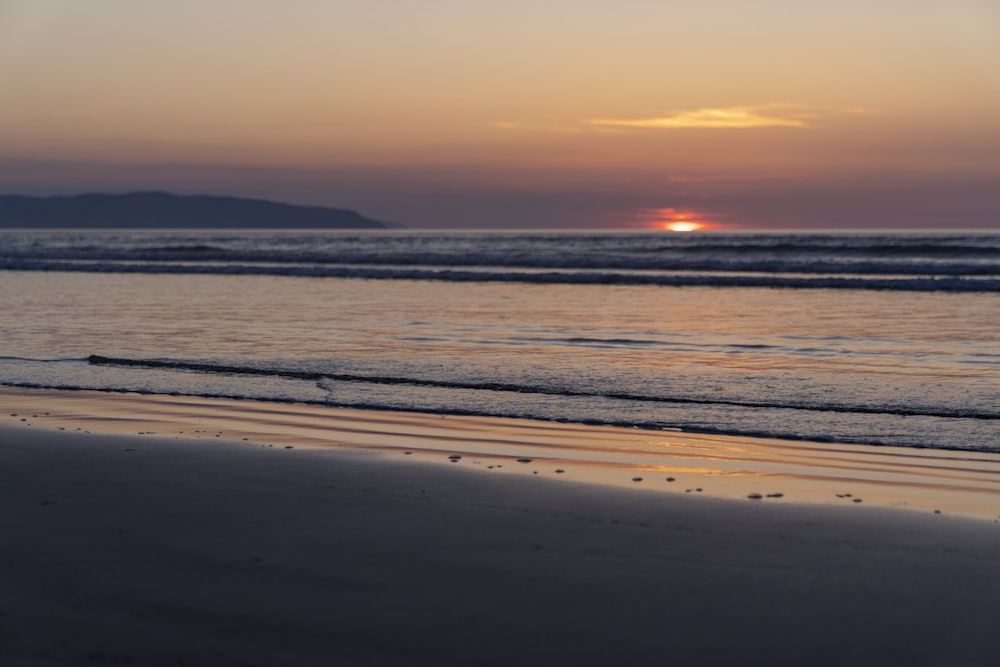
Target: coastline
x: 959, y: 483
x: 193, y: 549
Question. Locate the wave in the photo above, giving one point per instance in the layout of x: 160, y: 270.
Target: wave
x: 181, y: 249
x: 840, y: 248
x: 921, y: 284
x: 321, y: 377
x: 42, y: 361
x: 841, y: 255
x: 648, y: 425
x: 177, y: 256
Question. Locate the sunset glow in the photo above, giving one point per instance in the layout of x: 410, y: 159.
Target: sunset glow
x: 683, y: 226
x: 433, y: 113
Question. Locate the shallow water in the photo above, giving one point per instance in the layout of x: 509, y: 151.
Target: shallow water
x: 916, y: 368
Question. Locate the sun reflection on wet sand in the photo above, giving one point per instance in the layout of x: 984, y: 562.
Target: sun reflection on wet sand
x: 964, y: 483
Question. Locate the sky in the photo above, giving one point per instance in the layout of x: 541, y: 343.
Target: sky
x: 630, y: 114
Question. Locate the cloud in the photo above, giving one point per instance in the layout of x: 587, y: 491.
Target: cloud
x: 744, y: 117
x: 730, y: 117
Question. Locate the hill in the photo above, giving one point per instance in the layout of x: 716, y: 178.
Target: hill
x: 138, y: 210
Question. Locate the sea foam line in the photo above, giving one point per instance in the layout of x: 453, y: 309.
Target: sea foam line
x: 457, y: 411
x: 321, y: 377
x: 922, y: 284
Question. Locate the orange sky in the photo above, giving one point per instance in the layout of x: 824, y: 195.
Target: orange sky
x: 545, y: 113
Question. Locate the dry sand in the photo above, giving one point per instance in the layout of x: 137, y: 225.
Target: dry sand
x: 149, y: 550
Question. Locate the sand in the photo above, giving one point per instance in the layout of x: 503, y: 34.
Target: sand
x: 165, y: 550
x: 778, y: 471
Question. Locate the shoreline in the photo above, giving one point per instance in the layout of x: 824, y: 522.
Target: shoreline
x: 165, y: 549
x: 949, y: 482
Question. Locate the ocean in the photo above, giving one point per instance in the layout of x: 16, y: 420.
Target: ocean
x: 882, y: 339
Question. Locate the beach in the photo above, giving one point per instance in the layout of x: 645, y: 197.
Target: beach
x: 271, y: 448
x: 521, y: 334
x: 129, y: 547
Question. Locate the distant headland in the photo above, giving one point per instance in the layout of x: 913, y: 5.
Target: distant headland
x: 139, y: 210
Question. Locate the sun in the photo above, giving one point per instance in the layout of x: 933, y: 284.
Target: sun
x: 683, y: 226
x: 677, y: 220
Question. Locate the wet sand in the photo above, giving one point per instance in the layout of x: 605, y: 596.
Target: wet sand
x: 207, y: 549
x: 779, y: 471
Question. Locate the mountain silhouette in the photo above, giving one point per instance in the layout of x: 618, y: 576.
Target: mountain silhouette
x: 137, y: 210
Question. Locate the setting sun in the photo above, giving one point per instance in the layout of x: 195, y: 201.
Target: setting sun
x: 675, y: 220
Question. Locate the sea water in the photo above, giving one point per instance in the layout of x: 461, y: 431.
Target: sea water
x: 886, y: 339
